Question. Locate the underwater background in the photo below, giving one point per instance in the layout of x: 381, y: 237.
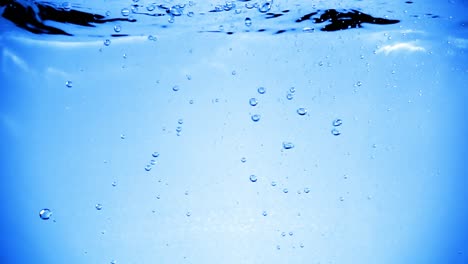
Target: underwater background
x: 234, y: 132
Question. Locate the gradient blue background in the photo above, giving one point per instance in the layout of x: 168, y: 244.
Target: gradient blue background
x: 392, y: 188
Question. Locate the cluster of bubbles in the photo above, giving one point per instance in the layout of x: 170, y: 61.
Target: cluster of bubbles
x: 290, y: 93
x: 336, y: 123
x: 152, y: 162
x: 179, y: 127
x: 254, y: 102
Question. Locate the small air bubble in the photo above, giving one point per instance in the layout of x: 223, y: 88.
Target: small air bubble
x: 114, y: 183
x: 190, y: 14
x: 302, y: 111
x: 264, y: 213
x: 291, y: 233
x: 337, y: 122
x: 335, y: 132
x: 283, y: 234
x: 98, y: 207
x: 122, y: 136
x: 117, y: 28
x: 261, y: 90
x: 125, y: 12
x: 288, y: 145
x: 255, y: 118
x: 253, y: 101
x: 178, y: 129
x: 180, y: 121
x: 278, y: 247
x: 243, y: 159
x: 153, y: 162
x: 188, y: 214
x: 150, y: 7
x: 107, y: 42
x: 273, y: 183
x: 175, y: 88
x: 253, y: 178
x: 306, y: 190
x: 69, y: 84
x: 248, y: 21
x: 148, y: 167
x: 289, y: 96
x: 292, y: 90
x: 45, y: 214
x: 285, y: 190
x: 155, y: 154
x: 233, y: 72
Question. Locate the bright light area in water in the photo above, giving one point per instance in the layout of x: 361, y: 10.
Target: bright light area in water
x: 187, y: 144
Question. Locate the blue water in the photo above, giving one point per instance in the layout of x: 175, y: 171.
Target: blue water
x: 181, y: 143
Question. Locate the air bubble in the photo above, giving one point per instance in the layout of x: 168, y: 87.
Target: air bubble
x: 66, y: 6
x: 155, y: 154
x: 248, y: 21
x: 283, y: 234
x: 180, y: 121
x: 264, y: 213
x: 265, y: 7
x: 122, y: 136
x: 188, y: 214
x: 153, y: 162
x: 98, y: 207
x: 291, y: 233
x: 337, y: 122
x: 125, y: 12
x: 306, y: 190
x: 45, y: 214
x: 175, y: 10
x: 285, y: 190
x: 255, y: 118
x: 233, y: 72
x: 273, y: 183
x: 292, y: 90
x: 190, y: 14
x: 107, y: 42
x: 243, y: 159
x: 288, y: 145
x: 114, y: 183
x: 261, y: 90
x: 253, y: 178
x: 289, y: 96
x: 69, y: 84
x: 178, y: 129
x: 117, y: 28
x: 150, y: 7
x: 335, y: 132
x: 253, y: 101
x: 148, y: 167
x: 175, y: 88
x: 302, y: 111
